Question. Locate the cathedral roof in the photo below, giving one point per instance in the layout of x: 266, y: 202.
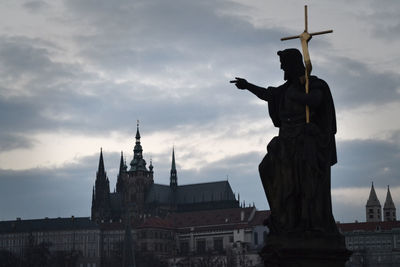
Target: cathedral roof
x: 159, y: 193
x: 204, y: 192
x: 191, y: 193
x: 373, y: 199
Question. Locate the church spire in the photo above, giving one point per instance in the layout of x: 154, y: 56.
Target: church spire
x: 121, y: 163
x: 389, y: 209
x: 101, y: 194
x: 173, y: 176
x: 93, y: 196
x: 138, y: 147
x: 101, y: 170
x: 138, y: 163
x: 373, y: 207
x: 122, y: 170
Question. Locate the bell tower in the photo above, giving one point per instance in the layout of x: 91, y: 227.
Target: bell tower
x: 137, y: 181
x: 389, y: 210
x: 373, y: 207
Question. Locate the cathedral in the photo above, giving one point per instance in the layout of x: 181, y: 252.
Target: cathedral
x: 137, y: 196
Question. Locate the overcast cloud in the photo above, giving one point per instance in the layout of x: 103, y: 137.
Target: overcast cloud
x: 76, y: 75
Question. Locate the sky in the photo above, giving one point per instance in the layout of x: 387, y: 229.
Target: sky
x: 75, y: 76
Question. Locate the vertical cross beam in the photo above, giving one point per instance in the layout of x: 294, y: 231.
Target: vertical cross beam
x: 305, y: 37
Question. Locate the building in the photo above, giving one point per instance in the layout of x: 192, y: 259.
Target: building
x: 222, y: 237
x: 68, y: 238
x: 229, y: 237
x: 373, y: 207
x: 389, y: 209
x: 143, y: 221
x: 138, y: 195
x: 374, y: 244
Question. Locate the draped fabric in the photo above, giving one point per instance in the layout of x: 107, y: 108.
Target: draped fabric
x: 295, y: 172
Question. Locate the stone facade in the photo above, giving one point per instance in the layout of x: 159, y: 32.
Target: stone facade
x: 374, y: 244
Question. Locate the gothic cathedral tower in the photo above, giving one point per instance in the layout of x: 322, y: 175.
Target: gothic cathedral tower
x: 135, y: 182
x: 373, y: 207
x: 101, y: 205
x: 389, y: 210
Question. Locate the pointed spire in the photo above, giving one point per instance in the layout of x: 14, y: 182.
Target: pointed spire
x: 373, y: 207
x: 122, y: 170
x: 173, y: 180
x: 389, y: 209
x: 389, y: 201
x: 173, y: 167
x: 138, y: 163
x: 101, y: 169
x: 121, y: 163
x: 93, y: 196
x: 137, y: 131
x: 373, y: 199
x: 101, y: 200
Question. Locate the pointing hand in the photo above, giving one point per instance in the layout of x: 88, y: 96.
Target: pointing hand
x: 240, y: 83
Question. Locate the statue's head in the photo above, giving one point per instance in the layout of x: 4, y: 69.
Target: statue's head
x: 291, y: 63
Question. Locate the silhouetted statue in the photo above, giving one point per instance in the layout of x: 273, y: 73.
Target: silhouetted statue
x: 296, y: 172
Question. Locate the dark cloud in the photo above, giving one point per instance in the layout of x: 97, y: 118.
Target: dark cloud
x: 150, y: 36
x: 364, y: 161
x: 10, y: 141
x: 35, y: 5
x: 30, y: 59
x: 384, y: 21
x: 51, y: 192
x: 353, y: 84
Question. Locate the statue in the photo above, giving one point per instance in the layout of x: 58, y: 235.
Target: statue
x: 296, y: 171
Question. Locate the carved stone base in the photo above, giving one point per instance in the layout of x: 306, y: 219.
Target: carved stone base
x: 307, y: 250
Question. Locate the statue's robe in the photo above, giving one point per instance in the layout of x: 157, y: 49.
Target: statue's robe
x: 295, y: 173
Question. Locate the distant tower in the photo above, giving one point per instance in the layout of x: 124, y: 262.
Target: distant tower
x: 373, y: 207
x: 101, y: 205
x: 389, y: 210
x: 137, y: 180
x: 173, y: 179
x: 121, y: 175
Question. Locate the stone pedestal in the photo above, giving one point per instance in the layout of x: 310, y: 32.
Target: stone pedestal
x: 305, y: 250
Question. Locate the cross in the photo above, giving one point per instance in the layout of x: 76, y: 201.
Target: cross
x: 305, y: 37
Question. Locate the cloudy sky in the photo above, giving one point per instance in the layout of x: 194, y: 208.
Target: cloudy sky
x: 76, y: 75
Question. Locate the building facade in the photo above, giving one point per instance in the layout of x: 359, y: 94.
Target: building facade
x: 138, y: 196
x: 374, y: 244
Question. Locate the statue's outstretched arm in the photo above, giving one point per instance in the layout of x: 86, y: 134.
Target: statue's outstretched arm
x: 260, y: 92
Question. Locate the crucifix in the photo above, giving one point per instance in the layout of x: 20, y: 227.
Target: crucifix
x: 305, y: 37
